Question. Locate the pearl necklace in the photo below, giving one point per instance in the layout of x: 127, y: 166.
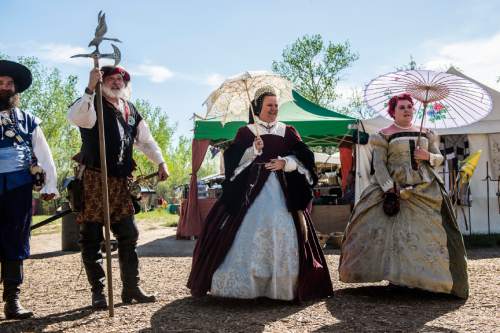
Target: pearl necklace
x: 402, y: 127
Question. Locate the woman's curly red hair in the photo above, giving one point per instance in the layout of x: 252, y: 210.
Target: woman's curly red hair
x: 394, y: 101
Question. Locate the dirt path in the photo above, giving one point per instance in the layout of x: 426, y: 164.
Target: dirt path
x: 59, y: 295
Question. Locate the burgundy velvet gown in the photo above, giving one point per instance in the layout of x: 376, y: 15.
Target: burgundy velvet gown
x: 240, y: 192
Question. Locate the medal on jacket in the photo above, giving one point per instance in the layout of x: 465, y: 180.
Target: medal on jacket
x: 10, y: 133
x: 19, y: 139
x: 131, y: 121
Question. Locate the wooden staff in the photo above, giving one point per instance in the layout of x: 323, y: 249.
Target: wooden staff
x: 105, y: 194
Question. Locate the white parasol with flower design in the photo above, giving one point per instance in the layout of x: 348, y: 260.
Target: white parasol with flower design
x: 442, y: 100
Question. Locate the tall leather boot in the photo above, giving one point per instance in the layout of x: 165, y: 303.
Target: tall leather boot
x: 127, y: 235
x: 90, y: 234
x: 96, y: 276
x: 12, y: 274
x: 129, y: 272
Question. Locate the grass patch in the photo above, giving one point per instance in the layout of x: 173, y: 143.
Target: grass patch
x: 51, y: 228
x: 160, y: 217
x: 153, y: 219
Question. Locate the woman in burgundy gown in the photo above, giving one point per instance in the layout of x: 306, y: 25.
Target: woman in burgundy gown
x: 258, y: 240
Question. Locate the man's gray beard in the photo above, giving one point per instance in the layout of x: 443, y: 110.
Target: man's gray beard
x: 123, y: 93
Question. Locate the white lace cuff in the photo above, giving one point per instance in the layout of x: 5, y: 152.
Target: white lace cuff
x: 387, y: 185
x: 255, y: 151
x: 435, y: 159
x: 292, y: 164
x: 248, y: 157
x: 45, y: 160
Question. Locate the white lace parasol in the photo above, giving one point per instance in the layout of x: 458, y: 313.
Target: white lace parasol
x: 231, y: 101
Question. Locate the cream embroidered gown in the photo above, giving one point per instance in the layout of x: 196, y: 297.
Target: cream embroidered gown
x: 421, y: 246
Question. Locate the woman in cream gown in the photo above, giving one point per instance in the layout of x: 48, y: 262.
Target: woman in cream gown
x: 421, y: 245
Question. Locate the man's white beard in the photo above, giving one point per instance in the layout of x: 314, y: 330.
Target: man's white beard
x: 123, y: 93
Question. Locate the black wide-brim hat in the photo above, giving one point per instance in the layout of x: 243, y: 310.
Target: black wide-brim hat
x: 19, y: 73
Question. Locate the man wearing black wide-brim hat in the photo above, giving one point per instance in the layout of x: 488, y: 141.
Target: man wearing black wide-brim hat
x: 22, y: 145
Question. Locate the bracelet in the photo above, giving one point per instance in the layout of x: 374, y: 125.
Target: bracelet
x: 88, y: 91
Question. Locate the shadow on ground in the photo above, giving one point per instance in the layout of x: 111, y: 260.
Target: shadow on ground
x: 220, y: 314
x: 483, y: 253
x: 167, y: 247
x: 384, y: 308
x: 39, y: 324
x: 51, y: 254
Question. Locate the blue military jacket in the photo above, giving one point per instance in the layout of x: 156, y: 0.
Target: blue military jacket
x: 16, y: 150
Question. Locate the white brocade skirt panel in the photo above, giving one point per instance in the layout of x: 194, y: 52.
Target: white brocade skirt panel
x: 264, y: 259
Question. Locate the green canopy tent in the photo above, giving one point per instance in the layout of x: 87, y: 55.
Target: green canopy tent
x: 316, y: 125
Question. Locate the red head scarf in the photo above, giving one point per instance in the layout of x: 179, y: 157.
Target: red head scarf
x: 110, y: 70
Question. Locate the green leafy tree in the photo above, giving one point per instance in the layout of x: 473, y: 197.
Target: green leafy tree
x: 161, y: 130
x: 48, y: 99
x: 356, y: 106
x: 177, y: 157
x: 315, y: 67
x: 210, y: 165
x: 179, y: 165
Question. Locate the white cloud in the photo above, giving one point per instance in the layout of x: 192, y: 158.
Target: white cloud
x: 346, y: 93
x: 56, y: 53
x: 214, y: 79
x: 155, y: 73
x: 61, y: 53
x: 477, y: 58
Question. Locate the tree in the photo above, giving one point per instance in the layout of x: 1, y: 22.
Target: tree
x: 48, y: 99
x: 50, y: 95
x: 357, y: 107
x: 161, y: 130
x: 179, y: 164
x: 177, y: 157
x: 315, y: 68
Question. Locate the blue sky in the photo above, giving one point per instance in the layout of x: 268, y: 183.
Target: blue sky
x: 179, y: 51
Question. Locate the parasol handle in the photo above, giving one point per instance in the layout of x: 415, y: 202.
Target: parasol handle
x: 426, y: 101
x: 421, y: 125
x: 251, y: 109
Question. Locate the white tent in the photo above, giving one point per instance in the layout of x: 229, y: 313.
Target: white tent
x: 485, y: 135
x: 327, y: 158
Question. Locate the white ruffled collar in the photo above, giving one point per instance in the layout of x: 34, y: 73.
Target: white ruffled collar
x: 265, y: 124
x: 273, y: 128
x: 18, y: 112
